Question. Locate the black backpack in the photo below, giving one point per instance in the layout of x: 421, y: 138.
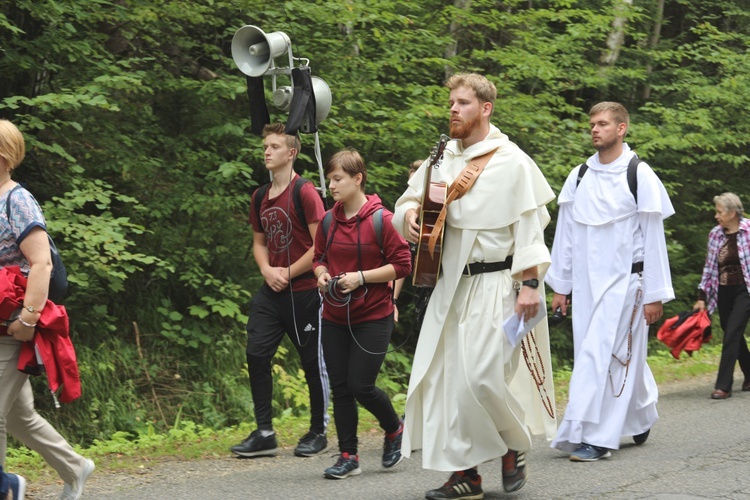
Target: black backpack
x: 377, y: 223
x: 58, y: 279
x: 260, y: 193
x: 632, y: 175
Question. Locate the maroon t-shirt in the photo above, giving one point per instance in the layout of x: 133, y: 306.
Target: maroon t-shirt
x: 286, y: 238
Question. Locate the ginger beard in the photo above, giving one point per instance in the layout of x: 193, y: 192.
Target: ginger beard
x: 464, y: 128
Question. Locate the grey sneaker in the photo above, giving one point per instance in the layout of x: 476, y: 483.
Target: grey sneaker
x: 459, y: 485
x: 514, y: 470
x: 392, y: 447
x: 75, y: 490
x: 589, y: 453
x: 311, y: 444
x: 256, y: 445
x: 344, y: 467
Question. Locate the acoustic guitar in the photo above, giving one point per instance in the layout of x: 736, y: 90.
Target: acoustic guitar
x: 426, y: 262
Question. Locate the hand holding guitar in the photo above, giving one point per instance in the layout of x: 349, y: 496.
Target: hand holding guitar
x: 412, y: 221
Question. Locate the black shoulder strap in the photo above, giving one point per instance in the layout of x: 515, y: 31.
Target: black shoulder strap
x: 581, y: 171
x: 327, y: 219
x: 632, y: 175
x: 298, y: 199
x: 260, y: 193
x: 377, y: 223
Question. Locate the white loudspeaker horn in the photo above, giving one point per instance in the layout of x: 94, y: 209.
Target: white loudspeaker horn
x: 323, y: 99
x: 253, y: 50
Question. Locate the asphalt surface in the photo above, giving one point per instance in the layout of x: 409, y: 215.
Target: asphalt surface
x: 700, y: 448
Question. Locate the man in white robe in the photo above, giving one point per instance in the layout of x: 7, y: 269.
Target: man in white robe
x: 610, y: 252
x: 469, y: 401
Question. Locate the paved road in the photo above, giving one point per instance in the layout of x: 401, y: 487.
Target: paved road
x: 699, y: 449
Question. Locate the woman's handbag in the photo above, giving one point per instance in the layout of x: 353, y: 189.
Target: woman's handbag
x: 58, y: 279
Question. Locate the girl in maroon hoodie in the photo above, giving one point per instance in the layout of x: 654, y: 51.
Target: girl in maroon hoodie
x: 354, y: 275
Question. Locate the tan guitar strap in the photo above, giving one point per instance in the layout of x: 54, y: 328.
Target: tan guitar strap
x: 456, y: 190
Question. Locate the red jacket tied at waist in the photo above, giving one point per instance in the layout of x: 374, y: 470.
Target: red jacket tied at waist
x: 51, y: 341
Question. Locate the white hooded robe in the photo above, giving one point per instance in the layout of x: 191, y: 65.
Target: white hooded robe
x: 600, y: 233
x: 469, y: 401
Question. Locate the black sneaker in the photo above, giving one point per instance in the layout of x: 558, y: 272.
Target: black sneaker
x: 311, y: 444
x: 344, y: 467
x: 256, y: 445
x: 392, y: 447
x: 514, y: 470
x: 458, y: 486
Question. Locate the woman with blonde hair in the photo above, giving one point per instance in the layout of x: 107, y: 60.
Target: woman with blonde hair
x: 724, y: 284
x: 24, y: 243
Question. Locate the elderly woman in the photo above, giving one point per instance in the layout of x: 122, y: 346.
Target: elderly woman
x: 24, y: 243
x: 725, y: 281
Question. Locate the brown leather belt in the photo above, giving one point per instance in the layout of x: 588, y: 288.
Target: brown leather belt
x: 487, y: 267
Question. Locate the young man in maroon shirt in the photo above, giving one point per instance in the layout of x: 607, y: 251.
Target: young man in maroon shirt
x: 288, y: 302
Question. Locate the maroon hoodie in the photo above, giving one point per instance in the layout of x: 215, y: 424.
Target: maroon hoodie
x: 354, y: 247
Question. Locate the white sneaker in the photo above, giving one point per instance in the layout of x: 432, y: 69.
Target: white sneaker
x: 75, y: 490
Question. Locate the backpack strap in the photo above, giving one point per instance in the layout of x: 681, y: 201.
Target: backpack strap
x: 377, y: 223
x: 326, y: 223
x: 298, y: 183
x: 581, y: 171
x: 260, y: 193
x: 632, y: 175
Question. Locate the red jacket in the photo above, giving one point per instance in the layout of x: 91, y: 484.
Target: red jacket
x: 51, y: 345
x: 685, y: 332
x: 354, y: 247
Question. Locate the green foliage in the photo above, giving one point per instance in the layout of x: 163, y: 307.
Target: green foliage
x: 139, y: 151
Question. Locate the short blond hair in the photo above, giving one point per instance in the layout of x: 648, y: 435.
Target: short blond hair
x: 278, y: 128
x: 619, y: 112
x: 729, y: 201
x: 482, y: 87
x: 12, y: 145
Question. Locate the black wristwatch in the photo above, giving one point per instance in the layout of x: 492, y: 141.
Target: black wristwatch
x: 533, y: 283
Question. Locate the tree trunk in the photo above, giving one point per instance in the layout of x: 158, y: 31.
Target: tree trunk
x: 616, y: 37
x: 653, y: 42
x: 454, y: 27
